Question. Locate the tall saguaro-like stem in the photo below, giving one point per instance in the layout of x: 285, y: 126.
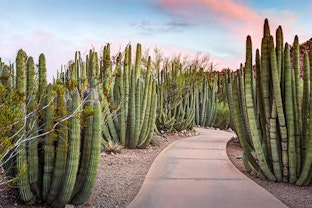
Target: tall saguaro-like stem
x: 62, y: 145
x: 251, y: 114
x: 281, y: 140
x: 305, y: 175
x: 32, y: 125
x: 49, y: 153
x: 297, y: 97
x: 305, y: 105
x: 42, y: 77
x: 25, y: 192
x: 90, y: 152
x: 72, y: 155
x: 278, y: 103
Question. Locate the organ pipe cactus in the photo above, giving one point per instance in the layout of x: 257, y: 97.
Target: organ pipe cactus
x: 32, y: 125
x: 187, y: 96
x: 175, y: 110
x: 21, y: 158
x: 58, y: 165
x: 61, y: 145
x: 135, y: 117
x: 58, y: 179
x: 277, y: 112
x: 72, y: 162
x: 206, y: 97
x: 256, y: 135
x: 49, y: 154
x: 42, y: 77
x: 304, y: 178
x: 91, y: 154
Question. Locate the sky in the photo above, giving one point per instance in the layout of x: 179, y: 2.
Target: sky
x: 217, y: 28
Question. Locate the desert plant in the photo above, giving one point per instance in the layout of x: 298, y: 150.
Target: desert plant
x: 44, y: 135
x: 269, y: 101
x: 133, y: 125
x: 112, y: 147
x: 223, y: 116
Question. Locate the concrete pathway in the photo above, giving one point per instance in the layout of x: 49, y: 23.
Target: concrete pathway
x: 196, y: 172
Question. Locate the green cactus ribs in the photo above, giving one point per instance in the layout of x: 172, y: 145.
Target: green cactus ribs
x: 272, y: 100
x: 46, y: 138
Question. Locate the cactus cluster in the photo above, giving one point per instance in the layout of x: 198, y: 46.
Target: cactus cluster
x: 56, y: 137
x: 187, y: 97
x: 176, y: 102
x: 55, y: 146
x: 269, y: 104
x: 132, y: 98
x: 206, y: 99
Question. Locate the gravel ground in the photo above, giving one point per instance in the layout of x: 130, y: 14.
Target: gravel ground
x: 120, y: 177
x: 291, y: 195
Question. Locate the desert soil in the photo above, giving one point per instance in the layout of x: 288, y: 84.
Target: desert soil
x: 121, y: 176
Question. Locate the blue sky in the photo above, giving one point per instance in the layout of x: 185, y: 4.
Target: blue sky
x: 58, y: 28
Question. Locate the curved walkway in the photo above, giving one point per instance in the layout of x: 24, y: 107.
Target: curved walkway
x: 196, y: 172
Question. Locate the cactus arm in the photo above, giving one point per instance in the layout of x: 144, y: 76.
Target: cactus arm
x: 87, y: 132
x: 95, y: 144
x: 131, y: 123
x: 49, y: 152
x: 72, y: 156
x: 305, y: 175
x: 305, y: 105
x: 32, y: 126
x: 297, y: 99
x: 62, y: 146
x: 152, y: 118
x: 25, y: 192
x: 251, y: 114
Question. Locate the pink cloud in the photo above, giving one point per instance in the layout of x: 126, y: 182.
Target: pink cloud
x: 225, y: 10
x: 239, y: 20
x: 234, y: 16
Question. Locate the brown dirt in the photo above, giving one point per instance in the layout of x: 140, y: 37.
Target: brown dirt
x: 120, y: 177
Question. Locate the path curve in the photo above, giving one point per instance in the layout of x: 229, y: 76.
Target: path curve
x: 196, y: 172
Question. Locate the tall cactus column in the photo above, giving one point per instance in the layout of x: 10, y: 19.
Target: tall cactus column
x: 72, y: 163
x: 90, y: 152
x: 32, y: 126
x: 21, y: 159
x: 255, y: 133
x: 61, y: 145
x: 134, y: 98
x: 49, y: 153
x: 278, y: 121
